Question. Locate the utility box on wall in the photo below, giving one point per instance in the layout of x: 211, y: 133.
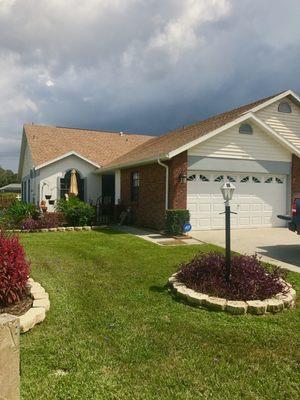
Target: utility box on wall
x: 9, y: 357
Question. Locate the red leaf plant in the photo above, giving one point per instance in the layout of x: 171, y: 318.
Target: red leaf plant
x: 14, y: 270
x: 250, y: 280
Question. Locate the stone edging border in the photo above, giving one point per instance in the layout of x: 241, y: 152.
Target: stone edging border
x: 37, y: 313
x: 257, y: 307
x: 59, y: 229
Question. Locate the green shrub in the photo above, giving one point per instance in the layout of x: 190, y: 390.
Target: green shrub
x: 175, y: 220
x: 17, y: 212
x: 76, y: 212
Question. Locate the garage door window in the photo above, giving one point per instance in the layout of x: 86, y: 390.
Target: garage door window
x: 219, y: 178
x: 230, y: 179
x: 203, y: 178
x: 269, y: 180
x: 278, y: 180
x: 191, y: 178
x: 255, y: 179
x: 245, y: 179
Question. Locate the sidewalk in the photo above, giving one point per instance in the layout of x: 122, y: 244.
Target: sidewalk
x: 156, y: 237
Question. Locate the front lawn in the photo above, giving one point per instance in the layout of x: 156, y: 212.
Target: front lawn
x: 114, y: 331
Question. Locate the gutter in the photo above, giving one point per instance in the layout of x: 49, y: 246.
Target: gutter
x: 145, y: 161
x: 167, y: 182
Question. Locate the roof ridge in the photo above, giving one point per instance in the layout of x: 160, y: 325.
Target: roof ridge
x: 87, y: 130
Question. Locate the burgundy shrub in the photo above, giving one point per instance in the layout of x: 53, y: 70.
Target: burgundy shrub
x: 250, y: 280
x: 29, y: 224
x: 51, y: 220
x: 46, y: 221
x: 14, y: 270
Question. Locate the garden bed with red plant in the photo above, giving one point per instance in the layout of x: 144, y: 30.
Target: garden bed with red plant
x: 251, y: 287
x: 19, y: 308
x: 249, y: 280
x: 14, y: 270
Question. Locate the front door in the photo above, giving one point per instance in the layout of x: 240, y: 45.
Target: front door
x: 108, y: 187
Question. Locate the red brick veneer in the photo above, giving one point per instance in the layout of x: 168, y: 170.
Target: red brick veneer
x: 295, y: 175
x: 149, y: 211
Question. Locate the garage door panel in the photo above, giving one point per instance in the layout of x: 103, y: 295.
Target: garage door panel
x: 218, y: 222
x: 218, y: 207
x: 256, y: 204
x: 204, y: 208
x: 244, y: 221
x: 244, y: 207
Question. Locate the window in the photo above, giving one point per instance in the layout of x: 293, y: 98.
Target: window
x: 284, y: 107
x: 65, y: 185
x: 246, y: 129
x: 28, y: 191
x: 191, y: 177
x: 278, y: 180
x: 230, y: 179
x: 219, y: 178
x: 255, y: 179
x: 135, y: 185
x: 24, y: 191
x: 245, y: 179
x: 269, y: 180
x: 203, y: 178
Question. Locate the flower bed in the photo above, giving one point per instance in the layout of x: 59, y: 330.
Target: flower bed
x: 251, y: 288
x: 19, y: 295
x: 59, y: 229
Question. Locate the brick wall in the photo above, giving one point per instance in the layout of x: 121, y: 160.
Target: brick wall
x: 149, y: 211
x: 295, y: 175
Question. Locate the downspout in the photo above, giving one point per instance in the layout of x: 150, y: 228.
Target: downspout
x: 167, y: 182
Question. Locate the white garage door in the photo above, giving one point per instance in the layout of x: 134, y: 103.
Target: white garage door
x: 258, y: 199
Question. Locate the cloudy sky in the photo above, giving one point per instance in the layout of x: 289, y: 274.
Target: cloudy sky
x: 143, y: 66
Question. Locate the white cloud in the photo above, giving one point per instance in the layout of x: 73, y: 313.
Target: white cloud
x: 49, y: 83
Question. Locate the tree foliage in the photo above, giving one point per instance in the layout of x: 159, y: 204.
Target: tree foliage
x: 7, y: 176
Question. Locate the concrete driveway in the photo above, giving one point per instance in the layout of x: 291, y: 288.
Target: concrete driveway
x: 276, y: 245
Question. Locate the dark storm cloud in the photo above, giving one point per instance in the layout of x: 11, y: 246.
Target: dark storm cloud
x: 137, y: 65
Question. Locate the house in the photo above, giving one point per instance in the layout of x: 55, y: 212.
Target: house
x: 256, y: 146
x: 11, y: 188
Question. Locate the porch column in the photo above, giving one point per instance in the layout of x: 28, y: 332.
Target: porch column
x: 117, y: 186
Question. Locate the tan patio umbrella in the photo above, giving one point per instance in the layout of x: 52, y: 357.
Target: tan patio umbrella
x: 73, y: 184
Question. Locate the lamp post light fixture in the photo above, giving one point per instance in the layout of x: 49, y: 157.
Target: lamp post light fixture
x: 227, y: 191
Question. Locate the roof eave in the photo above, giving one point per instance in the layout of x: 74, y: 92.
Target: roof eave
x: 133, y: 163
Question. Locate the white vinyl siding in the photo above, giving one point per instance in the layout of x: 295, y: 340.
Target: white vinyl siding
x: 27, y: 163
x: 288, y: 125
x: 232, y: 144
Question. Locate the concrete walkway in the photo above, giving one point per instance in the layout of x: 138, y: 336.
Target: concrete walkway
x: 276, y: 245
x: 156, y: 237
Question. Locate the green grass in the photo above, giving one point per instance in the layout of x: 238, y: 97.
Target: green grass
x: 118, y: 334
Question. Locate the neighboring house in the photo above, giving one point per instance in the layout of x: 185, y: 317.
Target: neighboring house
x: 11, y: 188
x: 256, y: 146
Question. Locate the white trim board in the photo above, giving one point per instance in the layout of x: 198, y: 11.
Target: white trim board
x: 274, y: 99
x: 70, y: 153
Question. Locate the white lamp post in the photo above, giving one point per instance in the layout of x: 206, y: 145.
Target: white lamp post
x: 227, y: 191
